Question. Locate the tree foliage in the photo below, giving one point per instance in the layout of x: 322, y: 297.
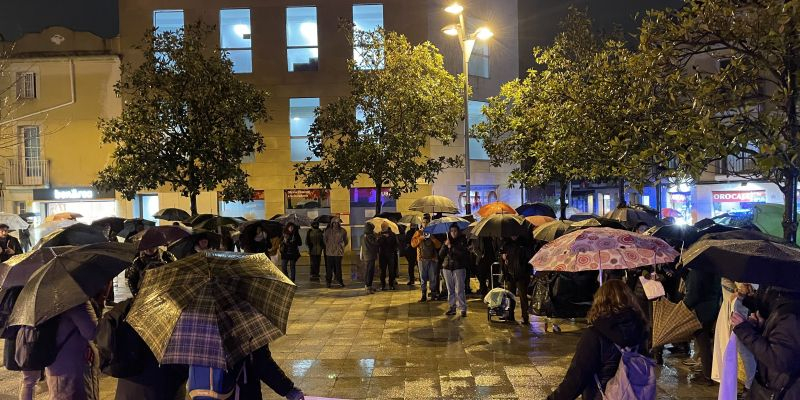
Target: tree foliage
x: 401, y: 98
x: 187, y: 120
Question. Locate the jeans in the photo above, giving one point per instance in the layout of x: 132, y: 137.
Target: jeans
x: 27, y: 388
x: 315, y: 262
x: 292, y: 264
x: 370, y: 273
x: 333, y: 269
x: 427, y: 273
x: 456, y: 296
x: 388, y: 262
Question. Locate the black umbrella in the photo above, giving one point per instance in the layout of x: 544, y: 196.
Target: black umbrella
x: 582, y: 217
x: 73, y: 235
x: 27, y: 215
x: 391, y: 216
x: 196, y: 219
x: 552, y: 230
x: 736, y: 234
x: 171, y: 233
x: 70, y: 279
x: 249, y: 230
x: 598, y: 222
x: 132, y: 224
x: 531, y: 209
x: 297, y: 219
x: 15, y: 271
x: 171, y: 214
x: 185, y: 246
x: 641, y: 207
x: 632, y: 218
x: 213, y: 224
x: 678, y: 236
x: 502, y: 226
x: 324, y: 219
x: 116, y: 224
x: 754, y: 261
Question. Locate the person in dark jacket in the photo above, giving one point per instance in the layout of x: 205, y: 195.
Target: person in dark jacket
x: 615, y: 319
x: 409, y: 252
x: 9, y: 245
x: 483, y: 248
x: 151, y: 255
x: 704, y: 297
x: 260, y: 367
x: 315, y: 244
x: 369, y: 252
x: 387, y: 256
x: 774, y: 340
x: 457, y: 259
x: 290, y: 250
x: 515, y: 264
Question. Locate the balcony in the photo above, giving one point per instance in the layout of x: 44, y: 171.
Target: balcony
x: 734, y: 165
x: 27, y: 173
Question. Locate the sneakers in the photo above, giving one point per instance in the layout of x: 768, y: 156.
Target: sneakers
x: 451, y: 311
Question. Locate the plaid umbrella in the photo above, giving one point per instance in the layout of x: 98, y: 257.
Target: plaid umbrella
x: 212, y: 308
x: 602, y: 248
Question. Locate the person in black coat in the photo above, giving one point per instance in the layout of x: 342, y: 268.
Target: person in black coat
x: 518, y: 271
x: 409, y: 252
x: 9, y: 245
x: 290, y: 250
x: 615, y: 319
x: 704, y: 297
x: 260, y: 367
x: 387, y: 256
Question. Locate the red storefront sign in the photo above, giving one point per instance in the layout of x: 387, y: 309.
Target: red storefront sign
x: 740, y: 196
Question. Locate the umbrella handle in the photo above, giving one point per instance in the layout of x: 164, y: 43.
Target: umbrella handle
x: 599, y: 268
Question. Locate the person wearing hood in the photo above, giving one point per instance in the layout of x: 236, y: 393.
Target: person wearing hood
x: 369, y: 252
x: 387, y: 256
x: 615, y: 319
x: 772, y: 334
x: 335, y: 238
x: 315, y: 245
x: 290, y: 250
x: 456, y: 261
x: 151, y: 255
x: 515, y: 263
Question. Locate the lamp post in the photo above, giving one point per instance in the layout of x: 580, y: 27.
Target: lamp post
x: 467, y: 43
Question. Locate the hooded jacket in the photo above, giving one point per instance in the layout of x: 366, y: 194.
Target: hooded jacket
x: 596, y: 354
x: 314, y: 241
x: 369, y: 243
x: 335, y: 239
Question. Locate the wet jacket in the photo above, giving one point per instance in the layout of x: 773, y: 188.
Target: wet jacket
x: 335, y: 240
x: 703, y: 295
x: 457, y: 256
x: 776, y: 349
x: 596, y: 354
x: 387, y: 244
x: 427, y: 248
x: 260, y: 367
x: 315, y: 242
x: 290, y: 246
x: 135, y: 273
x: 369, y: 244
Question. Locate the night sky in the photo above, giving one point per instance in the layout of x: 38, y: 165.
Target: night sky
x: 18, y: 17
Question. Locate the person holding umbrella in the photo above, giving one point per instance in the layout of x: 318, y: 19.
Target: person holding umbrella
x: 409, y: 252
x: 290, y: 250
x: 151, y: 255
x: 336, y: 240
x: 369, y: 251
x: 456, y: 261
x: 387, y: 256
x: 9, y: 245
x: 316, y: 244
x: 427, y: 254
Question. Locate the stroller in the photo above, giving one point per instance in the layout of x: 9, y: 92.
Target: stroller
x: 501, y: 302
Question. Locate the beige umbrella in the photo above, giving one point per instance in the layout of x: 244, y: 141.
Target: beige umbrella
x: 378, y: 222
x: 434, y: 204
x: 672, y: 323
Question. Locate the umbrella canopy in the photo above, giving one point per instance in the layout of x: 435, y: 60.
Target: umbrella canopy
x: 297, y: 219
x: 582, y: 217
x: 678, y: 236
x: 643, y: 207
x: 602, y: 248
x: 213, y: 224
x: 531, y: 209
x: 632, y: 218
x: 672, y: 323
x: 502, y: 226
x: 598, y: 222
x: 754, y: 261
x: 27, y: 215
x: 70, y: 279
x: 171, y: 214
x: 324, y: 219
x: 670, y: 212
x: 15, y: 271
x: 48, y: 227
x: 440, y: 226
x: 391, y: 216
x: 212, y: 308
x: 411, y: 220
x: 537, y: 220
x: 63, y: 216
x: 498, y: 207
x: 116, y: 224
x: 551, y: 230
x: 433, y: 204
x: 170, y: 233
x: 14, y: 221
x: 768, y: 218
x: 731, y: 233
x: 249, y: 230
x: 129, y: 226
x: 185, y: 247
x: 196, y: 219
x: 73, y: 235
x: 378, y: 222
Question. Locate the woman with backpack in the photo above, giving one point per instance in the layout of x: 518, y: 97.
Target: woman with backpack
x: 616, y: 323
x: 290, y: 250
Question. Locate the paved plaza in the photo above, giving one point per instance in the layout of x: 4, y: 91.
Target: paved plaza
x: 342, y: 343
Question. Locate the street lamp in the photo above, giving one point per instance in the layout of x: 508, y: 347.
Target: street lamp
x: 467, y: 44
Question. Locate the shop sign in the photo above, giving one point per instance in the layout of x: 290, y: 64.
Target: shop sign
x: 71, y: 194
x: 740, y: 196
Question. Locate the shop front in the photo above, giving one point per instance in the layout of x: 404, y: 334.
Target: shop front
x: 362, y: 208
x: 309, y: 202
x: 250, y: 210
x: 86, y: 201
x: 480, y: 195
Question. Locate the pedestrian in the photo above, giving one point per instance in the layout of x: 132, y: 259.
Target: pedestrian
x: 483, y: 249
x: 409, y: 252
x: 260, y: 243
x: 151, y: 255
x: 260, y: 367
x: 387, y: 256
x: 201, y: 244
x: 456, y: 261
x: 335, y: 238
x: 73, y: 375
x: 515, y: 264
x: 290, y: 250
x: 315, y: 244
x: 615, y: 319
x: 9, y: 245
x: 774, y: 340
x: 427, y: 248
x: 731, y: 291
x: 368, y: 254
x: 703, y: 296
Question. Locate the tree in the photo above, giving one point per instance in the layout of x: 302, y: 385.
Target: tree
x: 401, y: 98
x: 187, y: 120
x: 747, y: 110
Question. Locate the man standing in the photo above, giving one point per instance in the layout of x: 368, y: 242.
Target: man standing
x: 427, y: 248
x: 315, y: 244
x: 387, y: 256
x: 369, y: 251
x: 335, y: 238
x: 9, y: 245
x: 515, y: 265
x: 409, y: 252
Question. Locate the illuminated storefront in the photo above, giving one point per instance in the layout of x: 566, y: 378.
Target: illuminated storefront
x: 87, y: 201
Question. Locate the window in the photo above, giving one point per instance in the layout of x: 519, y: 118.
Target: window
x: 302, y: 53
x: 167, y: 20
x: 31, y: 151
x: 476, y: 150
x: 301, y: 116
x: 234, y: 38
x: 26, y: 85
x: 479, y: 60
x: 366, y: 17
x: 254, y: 209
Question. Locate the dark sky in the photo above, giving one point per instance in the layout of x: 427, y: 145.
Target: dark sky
x: 23, y: 16
x: 539, y: 19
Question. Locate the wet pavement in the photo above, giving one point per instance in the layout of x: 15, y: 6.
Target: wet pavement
x: 343, y: 343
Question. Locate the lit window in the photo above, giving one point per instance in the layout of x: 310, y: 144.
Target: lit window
x: 26, y: 85
x: 479, y: 60
x: 301, y: 116
x: 366, y: 17
x: 234, y: 38
x: 302, y: 51
x: 476, y: 150
x: 167, y: 20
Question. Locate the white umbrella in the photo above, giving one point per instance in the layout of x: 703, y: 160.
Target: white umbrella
x: 14, y: 221
x: 434, y: 204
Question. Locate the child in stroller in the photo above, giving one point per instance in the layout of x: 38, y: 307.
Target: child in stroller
x: 501, y: 303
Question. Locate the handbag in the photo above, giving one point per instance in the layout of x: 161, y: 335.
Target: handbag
x: 653, y: 289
